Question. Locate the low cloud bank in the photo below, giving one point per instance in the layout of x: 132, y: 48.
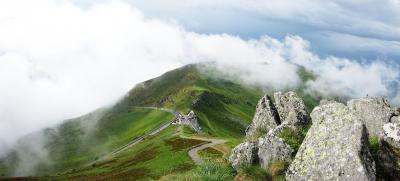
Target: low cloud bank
x: 59, y: 61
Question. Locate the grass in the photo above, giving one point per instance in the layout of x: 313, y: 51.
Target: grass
x: 178, y: 143
x: 375, y: 147
x: 161, y: 155
x: 187, y: 131
x: 373, y: 144
x: 215, y: 171
x: 259, y: 132
x: 253, y: 172
x: 69, y: 145
x: 277, y: 170
x: 294, y: 137
x: 210, y: 154
x: 209, y: 171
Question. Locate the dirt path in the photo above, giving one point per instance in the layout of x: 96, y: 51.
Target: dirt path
x: 194, y: 152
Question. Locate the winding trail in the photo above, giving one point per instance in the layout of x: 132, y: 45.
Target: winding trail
x: 193, y: 153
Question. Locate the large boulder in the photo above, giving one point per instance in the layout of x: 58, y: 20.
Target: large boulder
x: 268, y: 122
x: 292, y: 114
x: 271, y: 148
x: 244, y: 154
x: 391, y: 131
x: 335, y: 147
x: 389, y: 153
x: 265, y: 118
x: 290, y: 108
x: 374, y: 111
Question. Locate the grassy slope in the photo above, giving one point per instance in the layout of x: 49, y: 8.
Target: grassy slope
x: 156, y: 156
x: 70, y: 145
x: 224, y: 109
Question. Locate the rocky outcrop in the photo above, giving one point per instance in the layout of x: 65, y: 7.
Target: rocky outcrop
x: 271, y: 148
x: 389, y: 153
x: 244, y: 154
x: 268, y: 122
x: 325, y: 101
x: 335, y: 148
x: 383, y: 124
x: 291, y: 108
x: 391, y: 131
x: 190, y: 119
x: 265, y: 118
x: 374, y: 112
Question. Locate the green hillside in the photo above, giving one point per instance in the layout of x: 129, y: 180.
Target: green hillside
x: 224, y: 109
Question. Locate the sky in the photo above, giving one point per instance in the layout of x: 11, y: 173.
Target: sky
x: 60, y: 59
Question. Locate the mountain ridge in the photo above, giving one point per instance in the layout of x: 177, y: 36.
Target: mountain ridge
x: 224, y: 109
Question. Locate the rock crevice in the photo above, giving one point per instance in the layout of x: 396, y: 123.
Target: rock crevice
x: 269, y: 121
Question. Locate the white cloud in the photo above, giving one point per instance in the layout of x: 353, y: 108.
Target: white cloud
x: 58, y: 60
x: 373, y: 17
x: 376, y: 23
x: 350, y: 43
x: 340, y: 76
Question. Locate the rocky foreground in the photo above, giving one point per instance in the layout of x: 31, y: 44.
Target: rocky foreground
x: 357, y: 141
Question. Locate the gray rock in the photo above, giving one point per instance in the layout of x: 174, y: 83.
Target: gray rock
x: 265, y: 118
x: 325, y: 101
x: 267, y: 124
x: 190, y: 120
x: 335, y: 148
x: 271, y: 148
x: 374, y: 111
x: 244, y: 154
x: 290, y: 107
x: 389, y: 160
x: 392, y: 131
x: 389, y: 153
x: 292, y: 113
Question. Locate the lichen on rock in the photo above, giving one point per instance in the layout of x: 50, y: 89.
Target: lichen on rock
x: 272, y: 148
x: 290, y: 107
x: 265, y: 118
x: 335, y: 148
x: 374, y: 112
x: 244, y: 154
x: 266, y: 127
